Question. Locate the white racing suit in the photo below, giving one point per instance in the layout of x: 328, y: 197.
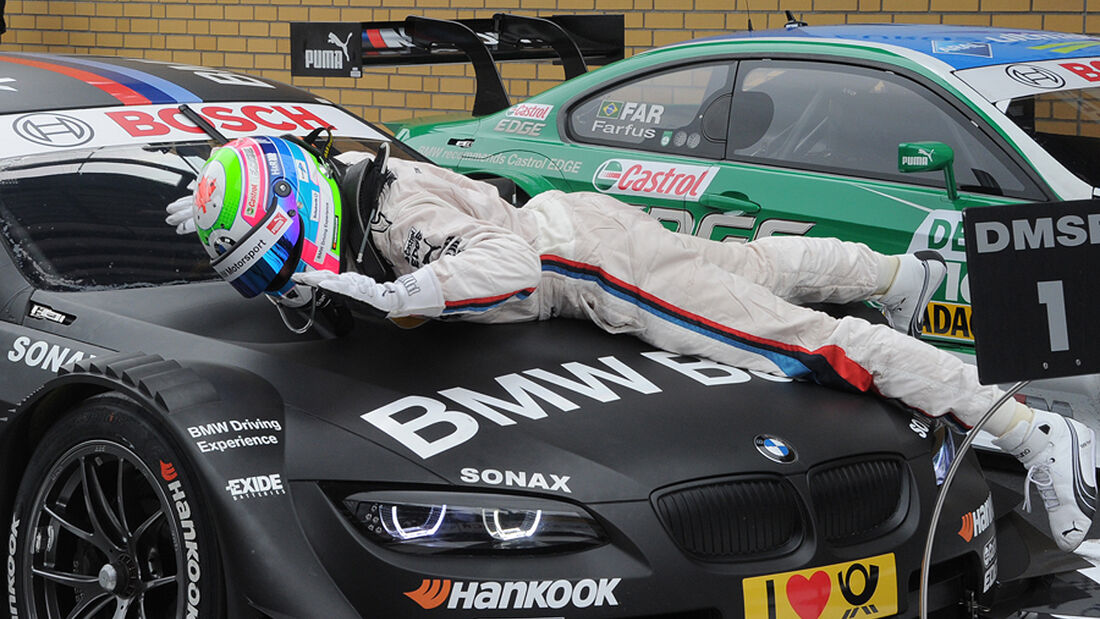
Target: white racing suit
x: 587, y: 255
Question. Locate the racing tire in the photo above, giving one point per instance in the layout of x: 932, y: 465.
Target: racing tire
x: 109, y: 522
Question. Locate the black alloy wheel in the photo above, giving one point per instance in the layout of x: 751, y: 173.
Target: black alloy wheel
x: 106, y: 528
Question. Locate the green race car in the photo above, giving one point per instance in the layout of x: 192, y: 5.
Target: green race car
x: 875, y: 133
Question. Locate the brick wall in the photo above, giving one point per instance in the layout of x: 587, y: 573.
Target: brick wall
x: 253, y: 36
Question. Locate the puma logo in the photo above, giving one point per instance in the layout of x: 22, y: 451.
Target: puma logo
x: 343, y: 45
x: 1072, y: 530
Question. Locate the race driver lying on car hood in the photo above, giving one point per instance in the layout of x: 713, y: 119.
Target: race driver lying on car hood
x: 269, y: 213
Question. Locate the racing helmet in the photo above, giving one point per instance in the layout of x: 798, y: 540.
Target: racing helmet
x: 266, y: 208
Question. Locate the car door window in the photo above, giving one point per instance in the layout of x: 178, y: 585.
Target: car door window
x: 851, y: 119
x: 682, y: 111
x: 1066, y: 123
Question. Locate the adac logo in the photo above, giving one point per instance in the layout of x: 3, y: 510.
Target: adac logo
x: 168, y: 471
x: 976, y: 522
x: 431, y: 594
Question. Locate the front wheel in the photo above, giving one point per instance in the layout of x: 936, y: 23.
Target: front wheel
x: 108, y: 523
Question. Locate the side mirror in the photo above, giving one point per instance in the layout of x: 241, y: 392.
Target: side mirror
x: 929, y: 157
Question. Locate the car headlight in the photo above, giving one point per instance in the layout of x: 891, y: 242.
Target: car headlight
x: 459, y: 522
x: 943, y: 452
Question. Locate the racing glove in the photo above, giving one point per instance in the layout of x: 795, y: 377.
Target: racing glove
x: 413, y: 294
x: 181, y: 214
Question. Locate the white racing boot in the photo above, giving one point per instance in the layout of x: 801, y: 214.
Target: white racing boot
x: 918, y: 277
x: 1060, y: 458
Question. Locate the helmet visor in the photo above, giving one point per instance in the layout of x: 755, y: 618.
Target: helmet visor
x: 262, y: 254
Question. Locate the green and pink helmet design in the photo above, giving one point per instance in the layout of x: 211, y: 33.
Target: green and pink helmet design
x: 266, y: 208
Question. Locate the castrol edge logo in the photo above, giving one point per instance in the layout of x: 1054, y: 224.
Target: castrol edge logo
x: 648, y: 178
x: 532, y: 111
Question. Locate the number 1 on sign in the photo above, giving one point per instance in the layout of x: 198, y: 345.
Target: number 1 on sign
x: 1051, y: 295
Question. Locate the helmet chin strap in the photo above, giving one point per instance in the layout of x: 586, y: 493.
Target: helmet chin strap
x: 380, y: 161
x: 286, y: 320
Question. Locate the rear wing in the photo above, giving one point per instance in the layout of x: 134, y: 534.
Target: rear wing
x: 343, y: 49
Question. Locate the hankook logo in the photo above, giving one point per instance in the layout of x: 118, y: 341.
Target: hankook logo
x: 13, y: 609
x: 976, y: 522
x: 191, y: 548
x: 49, y: 129
x: 515, y: 595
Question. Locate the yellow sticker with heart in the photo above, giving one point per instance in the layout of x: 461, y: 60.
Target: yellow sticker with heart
x: 853, y: 590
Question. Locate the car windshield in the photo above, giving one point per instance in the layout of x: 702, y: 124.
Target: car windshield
x: 1067, y: 124
x: 94, y: 219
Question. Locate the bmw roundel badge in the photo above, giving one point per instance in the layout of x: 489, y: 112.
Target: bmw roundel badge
x: 774, y: 448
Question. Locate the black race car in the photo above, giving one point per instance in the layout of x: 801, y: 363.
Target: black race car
x: 169, y: 449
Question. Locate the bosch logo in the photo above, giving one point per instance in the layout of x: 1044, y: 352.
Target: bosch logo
x: 50, y: 129
x: 774, y: 448
x: 1036, y: 77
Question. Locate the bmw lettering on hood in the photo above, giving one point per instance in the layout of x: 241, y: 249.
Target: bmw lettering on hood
x: 460, y: 426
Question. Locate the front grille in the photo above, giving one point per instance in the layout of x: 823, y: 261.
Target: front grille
x: 859, y: 500
x: 733, y: 519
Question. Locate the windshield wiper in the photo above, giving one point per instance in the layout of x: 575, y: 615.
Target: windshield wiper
x: 207, y: 128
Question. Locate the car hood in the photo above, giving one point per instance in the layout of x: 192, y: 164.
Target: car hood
x: 556, y: 406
